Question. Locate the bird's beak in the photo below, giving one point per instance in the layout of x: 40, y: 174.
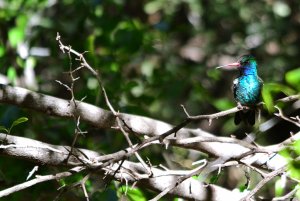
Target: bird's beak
x: 235, y: 64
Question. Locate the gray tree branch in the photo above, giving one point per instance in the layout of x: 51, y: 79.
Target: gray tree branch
x: 196, y: 139
x: 39, y: 153
x: 223, y: 148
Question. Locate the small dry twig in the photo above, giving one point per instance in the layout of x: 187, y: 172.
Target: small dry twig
x: 267, y: 178
x: 40, y: 179
x: 293, y: 120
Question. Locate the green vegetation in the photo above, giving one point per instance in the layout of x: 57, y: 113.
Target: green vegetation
x: 152, y: 56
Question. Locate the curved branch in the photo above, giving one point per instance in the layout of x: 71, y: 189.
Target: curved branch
x: 101, y: 118
x: 39, y: 179
x: 268, y: 177
x: 91, y: 114
x: 186, y: 138
x: 43, y: 153
x: 37, y: 151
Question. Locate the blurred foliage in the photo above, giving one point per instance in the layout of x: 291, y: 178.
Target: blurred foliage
x: 291, y: 154
x: 153, y: 55
x: 15, y: 123
x: 292, y: 78
x: 131, y: 194
x: 268, y: 93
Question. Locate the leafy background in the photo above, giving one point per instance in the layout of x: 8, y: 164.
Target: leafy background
x: 153, y: 55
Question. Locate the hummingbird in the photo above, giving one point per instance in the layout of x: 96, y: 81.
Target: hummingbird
x: 246, y: 88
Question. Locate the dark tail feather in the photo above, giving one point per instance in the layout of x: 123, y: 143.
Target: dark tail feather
x: 251, y: 117
x: 237, y: 118
x: 248, y: 117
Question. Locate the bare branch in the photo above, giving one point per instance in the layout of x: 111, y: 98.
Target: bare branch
x: 96, y: 74
x: 141, y: 125
x: 179, y: 181
x: 280, y: 114
x: 288, y: 195
x: 37, y: 156
x: 159, y: 132
x: 218, y: 114
x: 40, y: 179
x: 267, y: 178
x: 35, y: 169
x: 91, y: 114
x: 129, y: 172
x: 137, y: 155
x: 289, y: 98
x: 86, y: 65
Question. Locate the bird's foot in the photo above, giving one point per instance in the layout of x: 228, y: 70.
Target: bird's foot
x: 239, y: 106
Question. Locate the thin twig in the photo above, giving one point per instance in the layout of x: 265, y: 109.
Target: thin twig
x: 83, y: 181
x: 40, y: 179
x: 267, y: 178
x: 86, y: 65
x: 130, y: 144
x: 289, y: 98
x: 262, y: 174
x: 35, y: 169
x: 288, y: 195
x: 218, y: 114
x: 96, y: 74
x: 179, y: 181
x: 281, y: 115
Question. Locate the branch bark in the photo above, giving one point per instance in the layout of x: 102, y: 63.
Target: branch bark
x: 37, y: 152
x: 160, y: 132
x: 91, y: 114
x: 196, y: 139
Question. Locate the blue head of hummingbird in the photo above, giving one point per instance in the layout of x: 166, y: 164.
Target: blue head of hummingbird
x: 246, y: 88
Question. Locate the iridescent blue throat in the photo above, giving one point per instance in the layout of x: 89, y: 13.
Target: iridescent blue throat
x: 249, y: 69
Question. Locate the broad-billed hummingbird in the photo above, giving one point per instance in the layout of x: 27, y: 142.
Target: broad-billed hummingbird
x: 246, y: 88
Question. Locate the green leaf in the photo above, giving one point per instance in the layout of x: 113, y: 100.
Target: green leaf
x: 223, y: 104
x: 91, y: 44
x: 296, y: 146
x: 2, y: 50
x: 17, y: 122
x: 279, y: 188
x: 20, y: 62
x: 195, y: 177
x: 11, y: 74
x: 133, y: 194
x: 2, y: 128
x: 15, y: 36
x: 298, y: 191
x: 114, y: 67
x: 269, y: 89
x: 21, y: 21
x: 293, y: 78
x: 242, y: 188
x: 214, y: 178
x: 286, y: 154
x: 62, y: 182
x: 294, y: 169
